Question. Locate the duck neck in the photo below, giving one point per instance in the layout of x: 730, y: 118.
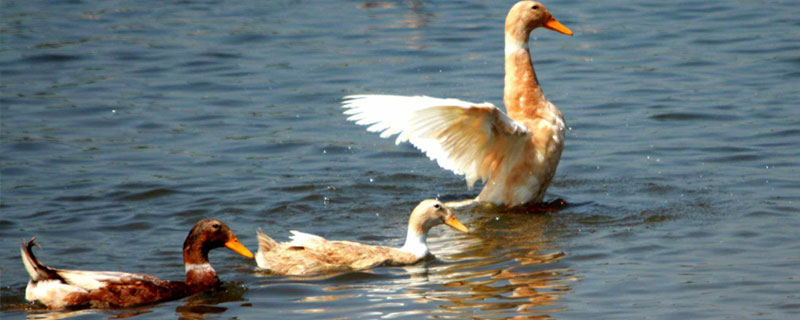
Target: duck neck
x: 522, y: 94
x: 200, y: 276
x: 416, y: 242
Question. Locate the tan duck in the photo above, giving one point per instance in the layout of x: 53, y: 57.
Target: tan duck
x: 308, y: 254
x: 516, y: 155
x: 58, y: 288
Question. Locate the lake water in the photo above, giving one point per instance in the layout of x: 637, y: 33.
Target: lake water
x: 125, y: 122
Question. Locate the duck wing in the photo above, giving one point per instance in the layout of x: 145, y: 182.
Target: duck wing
x: 353, y: 255
x: 466, y: 138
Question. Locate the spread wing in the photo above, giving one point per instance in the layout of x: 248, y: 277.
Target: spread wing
x: 467, y: 138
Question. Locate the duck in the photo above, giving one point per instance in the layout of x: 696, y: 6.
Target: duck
x: 515, y: 154
x: 308, y: 254
x: 75, y: 289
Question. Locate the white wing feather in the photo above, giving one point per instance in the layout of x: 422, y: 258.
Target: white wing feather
x: 467, y: 138
x: 91, y: 280
x: 307, y: 240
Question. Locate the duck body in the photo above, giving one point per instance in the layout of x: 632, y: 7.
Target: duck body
x: 515, y: 154
x: 308, y: 254
x: 60, y: 288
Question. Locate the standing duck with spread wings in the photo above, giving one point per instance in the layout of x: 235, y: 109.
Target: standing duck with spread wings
x: 516, y: 155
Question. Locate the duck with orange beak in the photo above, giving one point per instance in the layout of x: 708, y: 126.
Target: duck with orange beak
x: 308, y: 254
x: 515, y: 154
x: 59, y: 288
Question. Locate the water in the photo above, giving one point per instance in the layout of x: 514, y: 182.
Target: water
x: 123, y: 123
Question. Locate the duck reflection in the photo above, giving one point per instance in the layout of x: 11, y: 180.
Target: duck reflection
x: 416, y: 18
x: 204, y: 304
x: 198, y: 306
x: 43, y: 314
x: 509, y: 264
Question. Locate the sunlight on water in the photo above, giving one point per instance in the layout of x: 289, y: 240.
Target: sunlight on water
x: 124, y: 123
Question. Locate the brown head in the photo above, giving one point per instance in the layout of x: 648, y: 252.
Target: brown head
x: 431, y: 213
x: 210, y: 234
x: 528, y: 15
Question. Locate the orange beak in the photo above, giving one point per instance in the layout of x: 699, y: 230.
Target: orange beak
x: 455, y: 224
x: 554, y: 25
x: 238, y: 247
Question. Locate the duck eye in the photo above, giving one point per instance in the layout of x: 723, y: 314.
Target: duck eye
x: 215, y: 226
x: 535, y: 7
x: 437, y: 206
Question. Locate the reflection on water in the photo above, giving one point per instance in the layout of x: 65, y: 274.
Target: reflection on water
x: 506, y: 266
x: 195, y: 307
x: 415, y: 18
x: 55, y: 315
x: 122, y: 123
x: 511, y: 267
x: 204, y: 303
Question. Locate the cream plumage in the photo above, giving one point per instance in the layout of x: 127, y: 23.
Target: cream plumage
x: 308, y: 254
x: 516, y: 155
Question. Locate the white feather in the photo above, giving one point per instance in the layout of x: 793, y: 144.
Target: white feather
x: 30, y: 266
x: 91, y: 280
x: 416, y: 244
x: 514, y: 45
x: 458, y: 135
x: 302, y: 239
x: 50, y: 292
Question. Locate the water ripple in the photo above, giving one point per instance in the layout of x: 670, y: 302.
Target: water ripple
x: 122, y: 125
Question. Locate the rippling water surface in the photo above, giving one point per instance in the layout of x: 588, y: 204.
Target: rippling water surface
x: 125, y: 122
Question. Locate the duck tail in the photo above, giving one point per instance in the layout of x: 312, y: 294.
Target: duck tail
x: 37, y: 270
x: 265, y: 243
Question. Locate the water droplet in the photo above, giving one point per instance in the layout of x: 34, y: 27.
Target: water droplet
x: 371, y: 180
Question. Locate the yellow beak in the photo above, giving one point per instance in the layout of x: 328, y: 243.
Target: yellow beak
x: 455, y: 224
x: 238, y: 247
x: 554, y: 25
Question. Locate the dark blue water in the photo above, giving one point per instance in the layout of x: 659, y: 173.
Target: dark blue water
x: 123, y: 123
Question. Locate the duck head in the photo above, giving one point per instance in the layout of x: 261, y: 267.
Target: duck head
x: 428, y: 214
x: 528, y: 15
x: 431, y: 213
x: 210, y: 234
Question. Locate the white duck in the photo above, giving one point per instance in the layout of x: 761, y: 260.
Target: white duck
x: 308, y: 254
x: 516, y: 155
